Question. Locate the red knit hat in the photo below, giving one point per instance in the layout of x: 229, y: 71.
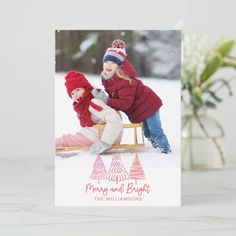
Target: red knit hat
x: 75, y: 80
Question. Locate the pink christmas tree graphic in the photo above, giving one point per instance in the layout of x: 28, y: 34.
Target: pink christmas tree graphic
x: 117, y: 172
x: 99, y: 169
x: 136, y: 170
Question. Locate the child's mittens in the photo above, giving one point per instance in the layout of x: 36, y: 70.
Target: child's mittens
x: 99, y: 147
x: 100, y: 95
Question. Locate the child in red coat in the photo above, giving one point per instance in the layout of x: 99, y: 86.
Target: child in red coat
x: 90, y: 111
x: 130, y: 95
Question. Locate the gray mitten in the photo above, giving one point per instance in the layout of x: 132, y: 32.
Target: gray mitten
x: 100, y: 95
x: 99, y: 147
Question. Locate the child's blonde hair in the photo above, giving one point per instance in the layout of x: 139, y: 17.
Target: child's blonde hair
x: 122, y: 74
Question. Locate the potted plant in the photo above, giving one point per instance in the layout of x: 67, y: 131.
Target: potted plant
x: 202, y: 135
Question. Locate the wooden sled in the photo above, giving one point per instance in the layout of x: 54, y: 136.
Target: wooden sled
x: 99, y: 128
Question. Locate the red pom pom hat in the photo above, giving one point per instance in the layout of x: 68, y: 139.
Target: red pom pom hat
x: 76, y: 80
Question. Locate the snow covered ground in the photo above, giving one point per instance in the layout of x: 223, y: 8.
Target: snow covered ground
x: 169, y: 91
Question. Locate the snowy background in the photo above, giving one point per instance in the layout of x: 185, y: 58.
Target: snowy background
x: 154, y: 53
x: 169, y: 91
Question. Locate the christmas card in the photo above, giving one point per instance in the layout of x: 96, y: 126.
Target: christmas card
x: 117, y: 118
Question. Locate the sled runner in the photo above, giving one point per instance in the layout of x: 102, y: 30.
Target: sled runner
x: 136, y: 143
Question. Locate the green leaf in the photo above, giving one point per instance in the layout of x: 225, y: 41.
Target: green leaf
x: 214, y: 96
x: 226, y: 83
x: 195, y: 102
x: 220, y: 80
x: 210, y: 104
x: 207, y: 84
x: 226, y: 47
x: 197, y: 92
x: 211, y: 67
x: 229, y: 62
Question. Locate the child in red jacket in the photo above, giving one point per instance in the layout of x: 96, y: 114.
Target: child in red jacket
x: 130, y: 95
x: 90, y: 111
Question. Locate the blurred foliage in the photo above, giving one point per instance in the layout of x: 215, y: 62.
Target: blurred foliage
x: 83, y: 50
x: 199, y: 67
x: 153, y: 53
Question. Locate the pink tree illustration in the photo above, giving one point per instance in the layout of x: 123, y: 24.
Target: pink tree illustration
x: 136, y: 170
x: 99, y: 170
x: 117, y: 172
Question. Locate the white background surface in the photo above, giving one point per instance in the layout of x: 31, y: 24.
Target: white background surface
x: 26, y: 101
x: 27, y: 207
